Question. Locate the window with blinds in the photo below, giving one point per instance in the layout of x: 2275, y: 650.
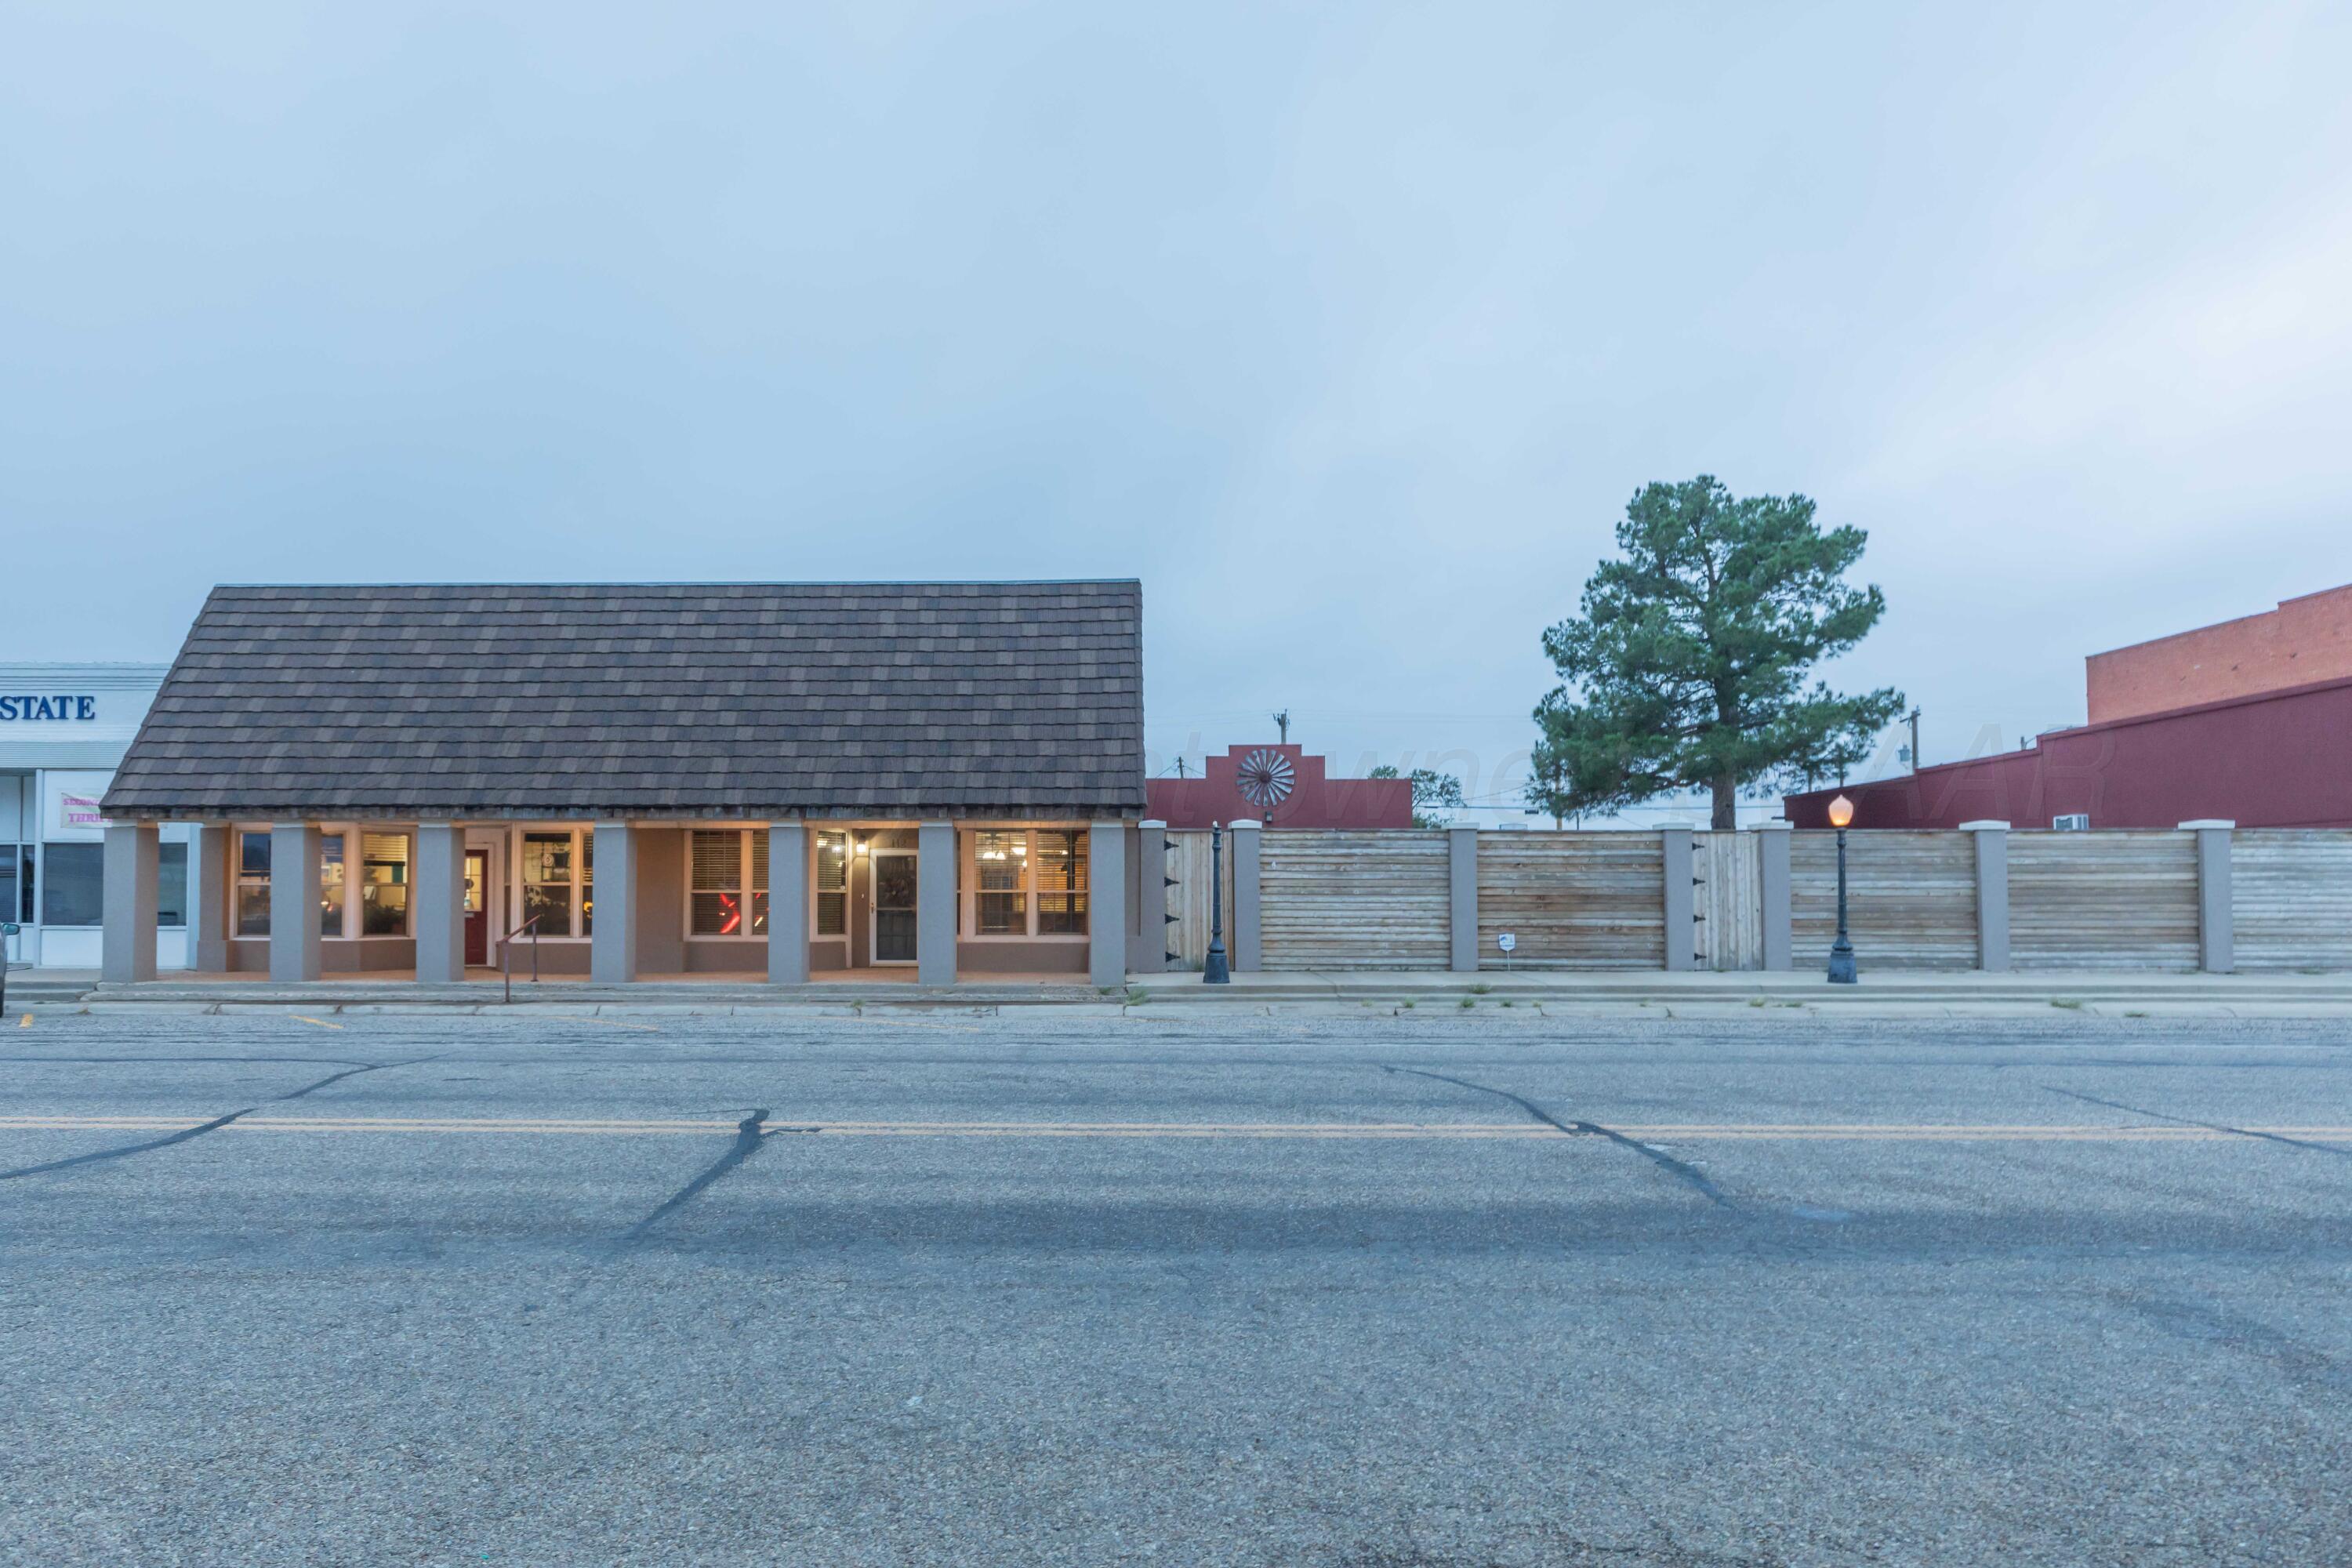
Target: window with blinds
x: 716, y: 899
x: 1061, y: 883
x: 759, y: 839
x: 330, y: 884
x: 832, y: 883
x: 999, y: 899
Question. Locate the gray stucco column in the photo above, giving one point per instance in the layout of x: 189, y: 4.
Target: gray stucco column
x: 1247, y: 951
x: 209, y: 897
x: 294, y: 894
x: 935, y: 904
x: 1107, y: 903
x: 440, y: 903
x: 1992, y: 894
x: 1682, y: 930
x: 2216, y: 936
x: 613, y: 944
x: 787, y: 903
x: 1462, y: 885
x: 1772, y: 894
x: 1151, y: 874
x: 128, y: 895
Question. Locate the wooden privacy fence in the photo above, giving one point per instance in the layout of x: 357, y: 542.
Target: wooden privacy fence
x: 2205, y: 896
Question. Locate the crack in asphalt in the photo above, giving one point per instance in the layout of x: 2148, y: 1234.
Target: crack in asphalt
x: 751, y: 1134
x: 2340, y: 1153
x: 1659, y: 1157
x: 214, y: 1125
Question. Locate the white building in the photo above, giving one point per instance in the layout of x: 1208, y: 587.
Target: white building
x: 63, y: 729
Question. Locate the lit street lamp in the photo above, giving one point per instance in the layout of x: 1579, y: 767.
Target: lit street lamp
x: 1841, y: 969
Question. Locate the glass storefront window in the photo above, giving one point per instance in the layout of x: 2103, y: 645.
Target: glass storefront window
x: 547, y: 882
x: 330, y: 884
x: 383, y: 884
x: 1061, y: 883
x: 832, y: 883
x: 16, y: 883
x: 172, y: 885
x: 587, y: 881
x: 253, y: 884
x: 73, y: 878
x: 1001, y: 884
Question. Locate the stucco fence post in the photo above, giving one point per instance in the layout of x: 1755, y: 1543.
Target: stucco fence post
x: 1682, y: 924
x: 1246, y: 951
x: 1462, y: 888
x: 2217, y: 937
x: 1992, y: 894
x: 1775, y: 921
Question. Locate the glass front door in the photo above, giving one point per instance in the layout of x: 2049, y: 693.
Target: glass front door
x: 893, y: 905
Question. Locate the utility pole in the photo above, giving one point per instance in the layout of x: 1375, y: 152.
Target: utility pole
x: 1914, y: 740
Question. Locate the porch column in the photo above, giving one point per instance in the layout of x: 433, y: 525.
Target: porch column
x: 440, y: 903
x: 1107, y: 903
x: 294, y: 894
x: 126, y: 907
x: 1462, y: 884
x: 935, y: 901
x: 1992, y: 894
x: 209, y: 897
x: 787, y: 903
x: 1682, y: 922
x: 613, y: 945
x: 1247, y: 953
x: 2217, y: 945
x: 1772, y: 894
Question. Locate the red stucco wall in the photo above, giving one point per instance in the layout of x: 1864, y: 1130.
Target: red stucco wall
x: 2303, y: 642
x: 2282, y: 760
x: 1315, y: 800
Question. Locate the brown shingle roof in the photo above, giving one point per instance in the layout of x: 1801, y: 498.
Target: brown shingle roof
x: 738, y: 699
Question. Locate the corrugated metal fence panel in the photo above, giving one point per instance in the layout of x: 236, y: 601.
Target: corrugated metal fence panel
x: 1355, y: 901
x: 1911, y: 898
x: 1728, y: 900
x: 1188, y: 900
x: 1574, y: 901
x: 2102, y: 900
x: 2291, y: 897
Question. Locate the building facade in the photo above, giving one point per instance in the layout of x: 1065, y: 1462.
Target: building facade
x: 2248, y: 721
x: 1297, y: 792
x: 632, y: 782
x: 2303, y: 642
x: 63, y: 728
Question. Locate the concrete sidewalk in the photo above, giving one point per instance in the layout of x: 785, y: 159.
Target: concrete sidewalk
x: 1655, y: 993
x: 2132, y: 993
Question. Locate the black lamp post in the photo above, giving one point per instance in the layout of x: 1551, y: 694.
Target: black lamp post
x: 1215, y: 971
x: 1842, y: 967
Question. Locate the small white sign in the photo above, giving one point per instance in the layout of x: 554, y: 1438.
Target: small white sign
x: 1508, y: 941
x: 70, y: 805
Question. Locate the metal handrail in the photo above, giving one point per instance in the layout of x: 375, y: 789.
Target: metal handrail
x: 505, y: 955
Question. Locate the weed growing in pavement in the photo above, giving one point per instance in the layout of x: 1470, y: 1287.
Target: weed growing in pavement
x: 1480, y: 989
x: 2071, y: 1004
x: 1466, y: 1001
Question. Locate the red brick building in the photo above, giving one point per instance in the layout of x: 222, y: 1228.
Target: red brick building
x: 2258, y: 731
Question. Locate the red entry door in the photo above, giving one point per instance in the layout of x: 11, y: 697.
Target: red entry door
x: 477, y: 907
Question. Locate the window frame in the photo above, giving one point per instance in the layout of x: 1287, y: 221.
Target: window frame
x: 968, y: 892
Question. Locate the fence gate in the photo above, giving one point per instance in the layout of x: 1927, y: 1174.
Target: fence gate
x: 1728, y: 904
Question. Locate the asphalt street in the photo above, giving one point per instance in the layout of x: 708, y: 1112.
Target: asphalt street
x: 1175, y: 1287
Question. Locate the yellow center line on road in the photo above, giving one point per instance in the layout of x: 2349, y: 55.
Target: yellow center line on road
x: 1424, y: 1131
x: 321, y: 1023
x: 608, y: 1023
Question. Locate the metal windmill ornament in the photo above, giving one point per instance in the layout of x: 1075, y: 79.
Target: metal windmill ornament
x: 1265, y: 779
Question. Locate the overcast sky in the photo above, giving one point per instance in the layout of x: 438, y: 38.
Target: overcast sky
x: 1349, y: 330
